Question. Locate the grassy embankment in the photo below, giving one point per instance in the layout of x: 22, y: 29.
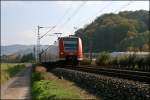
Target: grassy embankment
x: 45, y: 87
x: 9, y: 70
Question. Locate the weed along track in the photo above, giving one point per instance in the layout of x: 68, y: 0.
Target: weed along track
x: 109, y: 88
x: 47, y: 86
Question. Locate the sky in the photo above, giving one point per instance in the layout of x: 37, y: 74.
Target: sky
x: 19, y: 19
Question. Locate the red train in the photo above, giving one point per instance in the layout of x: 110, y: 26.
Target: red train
x: 66, y: 50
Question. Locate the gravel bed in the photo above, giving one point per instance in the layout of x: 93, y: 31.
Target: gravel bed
x: 108, y: 88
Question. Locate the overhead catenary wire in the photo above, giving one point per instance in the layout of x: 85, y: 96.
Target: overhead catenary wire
x: 124, y: 6
x: 76, y: 11
x: 119, y: 9
x: 101, y: 10
x: 67, y: 11
x: 55, y: 24
x: 73, y: 14
x: 68, y: 19
x: 61, y: 18
x: 48, y: 31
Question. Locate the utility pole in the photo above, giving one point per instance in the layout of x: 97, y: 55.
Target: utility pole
x: 90, y: 40
x: 34, y: 55
x: 38, y: 44
x: 58, y: 34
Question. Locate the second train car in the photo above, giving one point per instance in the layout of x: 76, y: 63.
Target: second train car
x: 65, y: 51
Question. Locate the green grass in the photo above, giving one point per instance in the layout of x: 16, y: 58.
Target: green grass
x: 103, y: 59
x: 9, y: 70
x: 85, y: 61
x: 47, y: 90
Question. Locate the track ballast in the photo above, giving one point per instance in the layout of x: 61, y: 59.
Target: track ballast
x: 125, y: 74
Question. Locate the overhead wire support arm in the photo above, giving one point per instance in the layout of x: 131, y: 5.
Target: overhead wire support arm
x: 40, y: 37
x: 47, y: 32
x: 57, y: 22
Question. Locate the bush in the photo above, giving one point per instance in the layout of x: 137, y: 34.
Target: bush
x: 39, y: 73
x: 103, y: 59
x: 115, y: 61
x: 36, y: 76
x: 40, y: 90
x: 40, y: 69
x: 132, y: 62
x: 129, y: 62
x: 123, y: 60
x: 85, y: 61
x: 138, y: 63
x: 146, y: 63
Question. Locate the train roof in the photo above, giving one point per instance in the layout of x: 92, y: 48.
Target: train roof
x: 68, y: 37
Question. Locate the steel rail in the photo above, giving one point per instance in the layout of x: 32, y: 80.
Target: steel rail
x: 125, y: 74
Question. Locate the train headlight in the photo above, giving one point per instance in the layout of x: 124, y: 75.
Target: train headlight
x: 70, y: 53
x: 61, y: 53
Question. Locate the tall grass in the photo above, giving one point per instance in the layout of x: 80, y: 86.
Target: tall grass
x: 131, y: 62
x: 86, y: 61
x: 9, y: 70
x: 103, y: 59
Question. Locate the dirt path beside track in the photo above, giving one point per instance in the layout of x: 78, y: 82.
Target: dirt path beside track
x: 19, y: 86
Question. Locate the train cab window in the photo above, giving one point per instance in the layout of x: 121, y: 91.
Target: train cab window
x: 70, y: 44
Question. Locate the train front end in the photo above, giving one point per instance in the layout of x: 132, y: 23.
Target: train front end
x: 70, y: 50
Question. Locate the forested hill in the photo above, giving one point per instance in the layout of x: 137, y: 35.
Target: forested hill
x: 125, y: 31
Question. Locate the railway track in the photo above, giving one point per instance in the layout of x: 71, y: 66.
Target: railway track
x: 125, y: 74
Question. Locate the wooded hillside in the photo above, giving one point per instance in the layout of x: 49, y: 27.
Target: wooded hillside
x: 125, y: 31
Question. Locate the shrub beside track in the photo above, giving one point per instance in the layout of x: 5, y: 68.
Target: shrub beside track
x: 128, y: 62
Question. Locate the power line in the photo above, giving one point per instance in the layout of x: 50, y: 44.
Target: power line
x: 57, y: 22
x: 107, y: 7
x: 55, y: 25
x: 73, y: 14
x: 48, y: 31
x: 65, y: 13
x: 124, y: 6
x: 101, y: 10
x: 66, y: 20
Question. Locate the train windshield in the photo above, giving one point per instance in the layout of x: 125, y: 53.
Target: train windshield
x: 70, y: 44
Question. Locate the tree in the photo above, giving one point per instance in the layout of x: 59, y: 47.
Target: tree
x: 116, y: 32
x: 131, y: 34
x: 27, y: 58
x: 130, y: 49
